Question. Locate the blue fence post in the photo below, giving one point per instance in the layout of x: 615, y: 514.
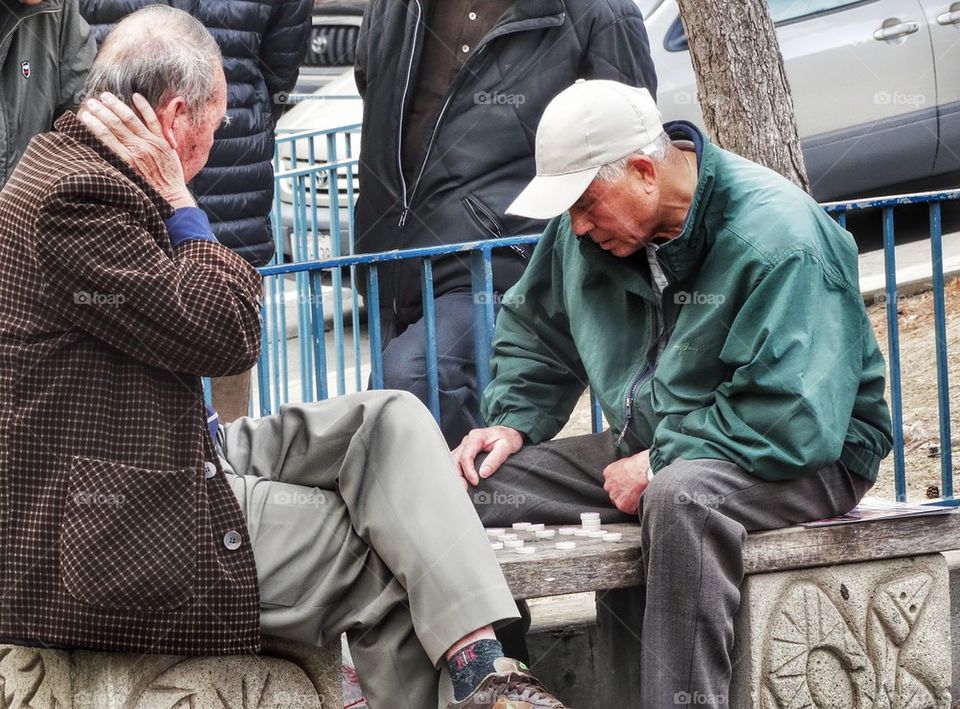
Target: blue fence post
x: 317, y: 332
x: 373, y: 326
x: 940, y: 326
x: 481, y: 275
x: 263, y: 365
x: 430, y: 341
x: 893, y: 344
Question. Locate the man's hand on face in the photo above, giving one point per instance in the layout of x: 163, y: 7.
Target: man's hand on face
x: 625, y: 480
x: 140, y: 143
x: 499, y: 441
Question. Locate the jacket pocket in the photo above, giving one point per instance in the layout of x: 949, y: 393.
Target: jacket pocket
x: 483, y: 216
x: 129, y: 535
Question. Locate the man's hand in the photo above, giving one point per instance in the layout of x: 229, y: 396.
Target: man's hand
x: 140, y: 143
x: 625, y: 480
x: 499, y: 441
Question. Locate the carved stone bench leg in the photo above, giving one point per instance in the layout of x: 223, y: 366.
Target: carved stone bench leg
x: 873, y: 634
x: 285, y: 675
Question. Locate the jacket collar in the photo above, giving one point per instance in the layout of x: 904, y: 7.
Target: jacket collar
x: 682, y: 256
x: 531, y: 13
x: 12, y: 12
x: 69, y: 125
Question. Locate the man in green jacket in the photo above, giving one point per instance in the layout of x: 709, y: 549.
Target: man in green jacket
x: 46, y: 50
x: 714, y: 309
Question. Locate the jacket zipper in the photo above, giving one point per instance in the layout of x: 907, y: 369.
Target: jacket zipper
x: 433, y: 134
x: 403, y: 102
x: 648, y: 369
x: 644, y: 375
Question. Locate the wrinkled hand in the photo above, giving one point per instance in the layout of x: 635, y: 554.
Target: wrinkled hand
x: 625, y: 480
x: 140, y: 143
x: 499, y: 441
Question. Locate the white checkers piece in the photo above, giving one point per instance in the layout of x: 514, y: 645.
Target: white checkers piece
x: 589, y: 515
x: 567, y: 531
x: 526, y: 550
x: 612, y: 536
x: 596, y: 534
x: 497, y: 546
x: 536, y: 527
x: 513, y: 544
x: 566, y: 546
x: 545, y: 533
x: 581, y: 532
x: 522, y: 525
x: 496, y: 532
x: 509, y: 537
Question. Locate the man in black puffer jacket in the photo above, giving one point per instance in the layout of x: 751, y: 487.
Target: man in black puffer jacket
x: 453, y: 91
x: 263, y: 43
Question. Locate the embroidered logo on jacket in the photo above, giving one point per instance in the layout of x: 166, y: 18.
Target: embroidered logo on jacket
x: 25, y: 69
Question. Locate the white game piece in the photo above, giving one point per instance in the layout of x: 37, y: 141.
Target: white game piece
x: 496, y: 532
x: 596, y: 534
x: 545, y: 533
x: 497, y: 546
x: 537, y: 527
x: 566, y: 546
x: 567, y: 531
x: 509, y: 537
x: 525, y: 550
x: 612, y: 536
x: 522, y: 525
x: 513, y: 544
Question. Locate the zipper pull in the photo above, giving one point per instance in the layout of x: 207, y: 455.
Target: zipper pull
x: 626, y: 423
x: 403, y: 216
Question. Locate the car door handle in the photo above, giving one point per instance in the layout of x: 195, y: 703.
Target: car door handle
x: 949, y: 18
x: 895, y: 31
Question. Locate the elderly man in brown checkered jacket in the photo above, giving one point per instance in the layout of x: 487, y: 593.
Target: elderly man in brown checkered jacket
x: 120, y: 527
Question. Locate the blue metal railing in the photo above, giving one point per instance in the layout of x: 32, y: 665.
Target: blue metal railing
x: 934, y: 200
x: 303, y: 217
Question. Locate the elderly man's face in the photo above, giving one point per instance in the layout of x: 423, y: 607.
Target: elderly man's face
x: 194, y: 134
x: 620, y: 216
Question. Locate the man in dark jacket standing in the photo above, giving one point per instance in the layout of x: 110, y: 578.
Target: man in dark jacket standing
x: 46, y: 50
x: 453, y: 92
x: 263, y: 44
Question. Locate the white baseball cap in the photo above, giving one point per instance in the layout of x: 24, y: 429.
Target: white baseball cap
x: 583, y: 128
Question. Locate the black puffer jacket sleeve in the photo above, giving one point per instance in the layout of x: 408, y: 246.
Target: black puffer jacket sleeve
x: 284, y: 44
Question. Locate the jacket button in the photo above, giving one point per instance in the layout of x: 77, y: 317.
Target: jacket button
x: 472, y: 15
x: 465, y: 48
x: 209, y: 470
x: 232, y: 540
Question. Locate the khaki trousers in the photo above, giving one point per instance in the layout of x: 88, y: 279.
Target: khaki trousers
x: 359, y: 524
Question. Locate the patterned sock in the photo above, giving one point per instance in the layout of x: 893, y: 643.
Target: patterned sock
x: 471, y: 664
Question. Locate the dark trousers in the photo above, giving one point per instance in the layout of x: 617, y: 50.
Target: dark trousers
x: 694, y: 519
x: 405, y: 362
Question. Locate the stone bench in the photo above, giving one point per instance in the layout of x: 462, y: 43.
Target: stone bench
x: 854, y: 615
x: 286, y: 675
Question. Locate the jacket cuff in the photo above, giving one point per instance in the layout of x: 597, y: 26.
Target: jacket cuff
x: 189, y: 224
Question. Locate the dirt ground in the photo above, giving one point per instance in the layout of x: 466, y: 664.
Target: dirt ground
x: 921, y: 423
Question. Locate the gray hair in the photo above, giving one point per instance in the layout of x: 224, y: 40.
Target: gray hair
x: 159, y: 52
x: 613, y: 171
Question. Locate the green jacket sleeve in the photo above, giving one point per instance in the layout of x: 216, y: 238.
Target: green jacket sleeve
x: 795, y: 355
x: 537, y: 374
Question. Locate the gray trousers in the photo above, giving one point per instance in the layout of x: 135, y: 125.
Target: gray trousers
x: 359, y: 524
x: 694, y: 518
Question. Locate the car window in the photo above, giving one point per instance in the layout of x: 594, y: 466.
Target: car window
x: 785, y: 10
x: 780, y: 10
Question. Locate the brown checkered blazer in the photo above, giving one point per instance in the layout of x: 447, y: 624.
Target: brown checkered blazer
x: 112, y: 535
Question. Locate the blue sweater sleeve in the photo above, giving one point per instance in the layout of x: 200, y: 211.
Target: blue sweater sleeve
x: 189, y: 224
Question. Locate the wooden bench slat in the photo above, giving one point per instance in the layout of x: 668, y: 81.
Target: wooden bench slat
x: 596, y: 565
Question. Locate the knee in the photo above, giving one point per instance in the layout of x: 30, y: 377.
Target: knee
x: 671, y: 492
x: 403, y: 367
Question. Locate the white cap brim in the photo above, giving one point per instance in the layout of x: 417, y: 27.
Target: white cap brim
x: 548, y: 196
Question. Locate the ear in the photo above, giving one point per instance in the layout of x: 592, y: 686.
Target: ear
x: 645, y: 168
x: 173, y: 117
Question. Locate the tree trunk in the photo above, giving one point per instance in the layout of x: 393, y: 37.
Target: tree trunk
x: 742, y: 86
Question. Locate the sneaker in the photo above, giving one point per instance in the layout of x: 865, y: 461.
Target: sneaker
x: 510, y: 687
